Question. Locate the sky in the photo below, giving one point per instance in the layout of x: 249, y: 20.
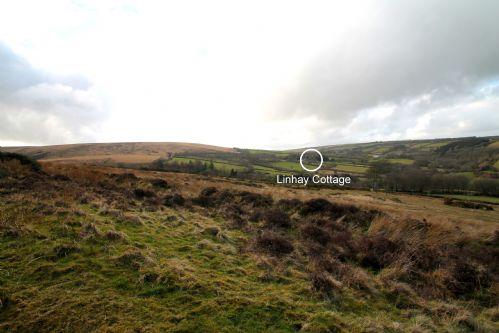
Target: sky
x: 250, y: 74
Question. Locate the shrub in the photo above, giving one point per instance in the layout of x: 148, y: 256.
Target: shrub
x: 114, y: 235
x: 320, y: 205
x: 274, y: 244
x: 140, y: 193
x: 256, y: 215
x: 207, y: 197
x: 24, y: 160
x: 275, y: 217
x: 256, y: 199
x: 132, y: 258
x: 315, y: 233
x: 376, y: 252
x: 211, y: 231
x: 425, y: 258
x: 62, y: 178
x: 289, y: 204
x: 208, y: 191
x: 338, y: 210
x: 343, y: 245
x: 466, y: 204
x: 315, y: 206
x: 61, y: 251
x: 125, y: 177
x: 467, y: 278
x: 360, y: 218
x: 88, y: 230
x: 334, y: 226
x: 324, y: 283
x: 159, y: 183
x: 172, y: 200
x: 225, y: 196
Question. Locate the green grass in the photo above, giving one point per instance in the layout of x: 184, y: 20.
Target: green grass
x: 381, y: 150
x: 438, y: 144
x: 196, y: 271
x: 59, y: 272
x: 220, y: 165
x: 467, y: 174
x: 351, y: 168
x: 276, y: 153
x: 292, y: 166
x: 404, y: 161
x: 496, y: 164
x: 183, y: 280
x: 266, y: 170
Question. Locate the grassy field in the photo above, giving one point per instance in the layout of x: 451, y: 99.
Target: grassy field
x: 267, y: 170
x: 434, y: 145
x: 292, y: 166
x: 220, y: 165
x: 159, y: 275
x: 351, y: 168
x: 105, y: 249
x: 401, y: 161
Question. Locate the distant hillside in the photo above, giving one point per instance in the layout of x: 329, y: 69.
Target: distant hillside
x: 123, y: 152
x: 456, y: 154
x: 472, y: 158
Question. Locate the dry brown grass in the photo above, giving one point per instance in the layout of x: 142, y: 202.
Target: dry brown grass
x: 473, y: 223
x: 134, y: 152
x: 404, y: 256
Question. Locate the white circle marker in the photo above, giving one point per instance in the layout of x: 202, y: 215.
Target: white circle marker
x: 301, y: 159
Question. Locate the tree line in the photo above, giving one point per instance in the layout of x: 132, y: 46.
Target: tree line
x: 406, y: 178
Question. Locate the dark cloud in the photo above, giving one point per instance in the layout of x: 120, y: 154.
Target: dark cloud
x: 37, y: 107
x: 415, y: 56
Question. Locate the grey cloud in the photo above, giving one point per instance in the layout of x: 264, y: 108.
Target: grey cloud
x: 16, y: 73
x: 442, y: 49
x: 39, y: 108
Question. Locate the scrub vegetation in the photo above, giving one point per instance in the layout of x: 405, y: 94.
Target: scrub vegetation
x: 92, y: 248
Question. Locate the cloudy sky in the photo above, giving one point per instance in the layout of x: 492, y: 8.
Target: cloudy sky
x: 263, y: 74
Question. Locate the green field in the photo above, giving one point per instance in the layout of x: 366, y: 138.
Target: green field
x: 292, y: 166
x: 351, y: 168
x: 267, y: 152
x: 266, y: 170
x: 220, y: 165
x: 381, y: 150
x: 478, y: 198
x: 404, y: 161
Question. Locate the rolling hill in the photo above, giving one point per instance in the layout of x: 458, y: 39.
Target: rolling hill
x: 470, y: 157
x: 122, y: 152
